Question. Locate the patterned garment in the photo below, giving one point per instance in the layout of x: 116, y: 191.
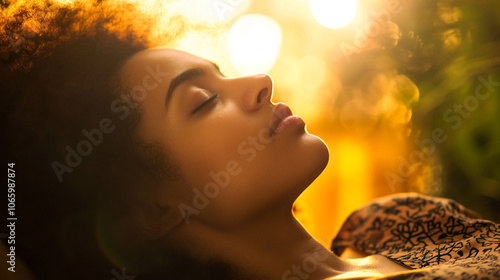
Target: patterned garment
x: 436, y: 238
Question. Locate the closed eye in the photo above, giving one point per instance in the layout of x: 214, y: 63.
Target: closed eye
x: 209, y: 101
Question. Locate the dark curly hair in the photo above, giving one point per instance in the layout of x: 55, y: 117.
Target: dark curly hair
x: 74, y: 157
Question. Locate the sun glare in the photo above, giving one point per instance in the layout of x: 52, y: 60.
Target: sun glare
x: 334, y: 13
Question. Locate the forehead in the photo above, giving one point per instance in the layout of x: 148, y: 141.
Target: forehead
x: 168, y: 62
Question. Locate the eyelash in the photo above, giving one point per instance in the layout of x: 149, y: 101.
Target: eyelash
x: 209, y: 101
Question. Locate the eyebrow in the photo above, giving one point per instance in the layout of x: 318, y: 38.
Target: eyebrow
x: 185, y: 76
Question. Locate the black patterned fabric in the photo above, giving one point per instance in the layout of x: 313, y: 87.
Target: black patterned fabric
x: 436, y: 238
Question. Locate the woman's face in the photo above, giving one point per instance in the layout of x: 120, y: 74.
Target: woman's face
x: 223, y: 134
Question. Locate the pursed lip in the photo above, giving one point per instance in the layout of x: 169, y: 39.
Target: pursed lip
x: 280, y: 112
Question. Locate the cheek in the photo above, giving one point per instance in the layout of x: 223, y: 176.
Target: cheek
x: 210, y: 146
x: 214, y: 159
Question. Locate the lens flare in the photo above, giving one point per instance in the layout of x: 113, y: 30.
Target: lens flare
x: 334, y: 13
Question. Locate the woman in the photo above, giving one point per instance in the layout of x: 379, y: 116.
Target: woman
x: 152, y: 159
x: 247, y: 195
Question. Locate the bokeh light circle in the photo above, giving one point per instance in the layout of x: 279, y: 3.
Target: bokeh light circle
x: 334, y: 13
x: 254, y: 41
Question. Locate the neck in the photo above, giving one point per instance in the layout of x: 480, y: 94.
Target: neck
x: 274, y: 247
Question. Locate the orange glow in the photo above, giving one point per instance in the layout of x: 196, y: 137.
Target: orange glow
x: 354, y: 176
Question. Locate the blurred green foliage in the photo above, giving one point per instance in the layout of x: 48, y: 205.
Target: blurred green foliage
x: 451, y: 51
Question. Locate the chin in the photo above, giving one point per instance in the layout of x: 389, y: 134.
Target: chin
x: 319, y: 155
x: 309, y: 161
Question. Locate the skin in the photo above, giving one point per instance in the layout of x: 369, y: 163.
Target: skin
x: 248, y: 222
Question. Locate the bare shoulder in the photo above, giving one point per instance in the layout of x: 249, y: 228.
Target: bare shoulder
x: 377, y: 263
x: 369, y: 265
x: 355, y: 275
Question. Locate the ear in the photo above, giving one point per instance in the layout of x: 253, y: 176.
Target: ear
x: 155, y: 221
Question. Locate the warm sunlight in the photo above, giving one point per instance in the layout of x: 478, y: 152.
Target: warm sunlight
x: 334, y: 13
x: 254, y: 42
x: 393, y: 96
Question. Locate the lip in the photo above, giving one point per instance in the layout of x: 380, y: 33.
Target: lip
x: 283, y: 118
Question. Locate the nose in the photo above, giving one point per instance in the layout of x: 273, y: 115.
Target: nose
x: 256, y: 91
